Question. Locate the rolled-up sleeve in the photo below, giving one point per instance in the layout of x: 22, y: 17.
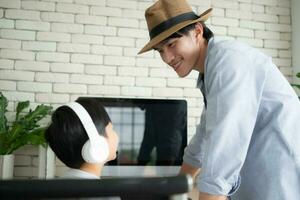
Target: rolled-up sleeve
x: 232, y: 91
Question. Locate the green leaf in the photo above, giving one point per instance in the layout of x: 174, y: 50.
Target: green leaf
x: 296, y: 85
x: 29, y: 121
x: 3, y: 143
x: 3, y: 121
x: 25, y: 129
x: 21, y: 106
x: 36, y: 137
x: 298, y: 74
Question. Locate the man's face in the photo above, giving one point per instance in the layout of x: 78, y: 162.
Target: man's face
x: 182, y: 53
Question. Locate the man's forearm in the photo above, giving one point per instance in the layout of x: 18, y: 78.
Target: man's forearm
x: 205, y: 196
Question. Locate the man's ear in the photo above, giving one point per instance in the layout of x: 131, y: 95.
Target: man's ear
x: 199, y: 29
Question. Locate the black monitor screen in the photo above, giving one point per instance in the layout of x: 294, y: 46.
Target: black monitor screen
x: 152, y: 131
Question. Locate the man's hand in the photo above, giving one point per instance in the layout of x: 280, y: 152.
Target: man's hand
x: 189, y: 169
x: 193, y: 172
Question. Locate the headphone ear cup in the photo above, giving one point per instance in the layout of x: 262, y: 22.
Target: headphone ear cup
x: 96, y: 151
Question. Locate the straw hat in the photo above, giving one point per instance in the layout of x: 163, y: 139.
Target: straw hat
x: 165, y: 17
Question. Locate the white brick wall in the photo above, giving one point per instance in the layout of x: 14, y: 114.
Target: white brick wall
x: 72, y: 8
x: 38, y: 46
x: 52, y: 36
x: 52, y: 51
x: 31, y: 65
x: 52, y: 77
x: 6, y: 64
x: 32, y: 25
x: 67, y: 28
x: 22, y: 14
x: 16, y: 54
x: 10, y: 4
x: 57, y: 17
x: 52, y: 57
x: 10, y: 44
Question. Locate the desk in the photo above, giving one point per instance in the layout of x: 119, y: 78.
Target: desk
x: 147, y: 188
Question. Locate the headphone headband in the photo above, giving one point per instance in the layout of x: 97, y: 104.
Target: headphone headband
x: 85, y: 119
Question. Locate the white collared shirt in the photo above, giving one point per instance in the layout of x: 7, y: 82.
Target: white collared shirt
x: 77, y: 173
x: 80, y: 174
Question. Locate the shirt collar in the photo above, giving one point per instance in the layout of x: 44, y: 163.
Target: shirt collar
x: 77, y: 173
x: 200, y: 80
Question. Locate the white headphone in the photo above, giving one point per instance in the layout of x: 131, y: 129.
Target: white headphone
x: 96, y: 149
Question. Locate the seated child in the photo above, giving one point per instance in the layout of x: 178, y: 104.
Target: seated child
x: 82, y: 137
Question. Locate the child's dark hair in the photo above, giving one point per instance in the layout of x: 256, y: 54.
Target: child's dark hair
x: 66, y: 134
x: 207, y: 33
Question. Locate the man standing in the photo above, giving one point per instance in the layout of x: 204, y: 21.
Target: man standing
x: 247, y: 146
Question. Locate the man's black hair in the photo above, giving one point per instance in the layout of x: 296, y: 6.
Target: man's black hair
x: 207, y: 33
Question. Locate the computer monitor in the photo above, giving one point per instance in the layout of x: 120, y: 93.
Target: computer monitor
x: 153, y: 135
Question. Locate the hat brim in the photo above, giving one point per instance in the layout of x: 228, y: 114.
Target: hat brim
x: 162, y: 36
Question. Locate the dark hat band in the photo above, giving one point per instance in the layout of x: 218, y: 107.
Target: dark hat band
x: 171, y: 22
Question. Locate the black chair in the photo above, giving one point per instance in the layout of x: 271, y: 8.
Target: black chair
x: 148, y: 188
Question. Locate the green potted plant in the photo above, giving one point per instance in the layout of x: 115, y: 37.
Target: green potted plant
x: 297, y: 85
x: 24, y: 130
